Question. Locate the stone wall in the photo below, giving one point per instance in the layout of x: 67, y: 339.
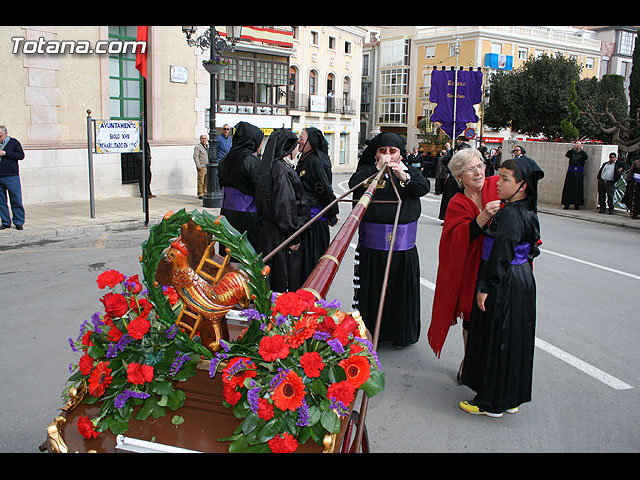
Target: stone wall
x: 551, y: 158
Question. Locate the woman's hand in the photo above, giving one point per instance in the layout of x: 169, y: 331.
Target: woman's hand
x: 480, y: 299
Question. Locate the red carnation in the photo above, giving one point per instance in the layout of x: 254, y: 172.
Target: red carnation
x: 85, y: 365
x: 115, y: 304
x: 114, y: 334
x: 110, y: 278
x: 235, y: 376
x: 170, y: 292
x: 273, y: 347
x: 139, y: 327
x: 312, y: 364
x: 283, y: 444
x: 265, y: 409
x: 86, y: 339
x: 231, y: 395
x: 293, y: 303
x: 139, y: 374
x: 341, y: 392
x: 86, y: 428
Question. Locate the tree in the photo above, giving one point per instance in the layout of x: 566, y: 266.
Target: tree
x: 567, y: 124
x: 534, y: 98
x: 596, y: 93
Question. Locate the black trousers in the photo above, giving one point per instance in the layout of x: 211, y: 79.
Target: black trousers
x: 605, y: 189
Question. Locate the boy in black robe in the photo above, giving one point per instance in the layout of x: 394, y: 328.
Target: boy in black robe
x: 237, y: 174
x: 401, y: 315
x: 314, y: 169
x: 282, y: 209
x: 499, y: 353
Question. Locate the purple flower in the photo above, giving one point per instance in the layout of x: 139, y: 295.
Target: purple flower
x: 252, y: 398
x: 177, y: 363
x: 171, y: 332
x: 369, y: 346
x: 336, y: 346
x: 337, y: 405
x: 122, y: 398
x: 303, y: 414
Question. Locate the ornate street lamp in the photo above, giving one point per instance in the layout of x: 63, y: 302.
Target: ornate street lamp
x: 211, y: 39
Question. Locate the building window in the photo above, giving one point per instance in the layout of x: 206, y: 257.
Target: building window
x: 393, y: 111
x: 394, y: 81
x: 249, y: 85
x: 365, y: 98
x: 314, y: 38
x: 394, y: 53
x: 430, y: 52
x: 347, y: 48
x: 626, y: 43
x: 312, y: 82
x: 365, y: 65
x: 125, y: 82
x: 332, y: 43
x: 522, y: 53
x: 588, y: 63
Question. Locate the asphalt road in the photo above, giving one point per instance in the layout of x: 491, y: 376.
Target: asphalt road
x: 586, y: 377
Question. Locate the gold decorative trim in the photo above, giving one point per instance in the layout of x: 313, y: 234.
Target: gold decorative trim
x: 55, y: 437
x: 330, y: 257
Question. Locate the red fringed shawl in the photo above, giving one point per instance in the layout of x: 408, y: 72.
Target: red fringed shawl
x: 458, y: 265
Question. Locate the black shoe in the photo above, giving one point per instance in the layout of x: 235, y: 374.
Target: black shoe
x: 3, y: 226
x: 19, y: 227
x: 601, y: 210
x: 577, y: 207
x: 610, y: 212
x: 566, y: 207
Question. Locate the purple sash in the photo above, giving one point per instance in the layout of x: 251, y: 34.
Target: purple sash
x: 315, y: 210
x: 636, y: 177
x: 576, y: 168
x: 234, y: 199
x: 521, y: 251
x: 377, y: 236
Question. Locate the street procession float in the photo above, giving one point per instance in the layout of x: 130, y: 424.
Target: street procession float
x: 201, y: 356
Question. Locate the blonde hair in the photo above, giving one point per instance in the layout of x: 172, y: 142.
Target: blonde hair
x: 461, y: 160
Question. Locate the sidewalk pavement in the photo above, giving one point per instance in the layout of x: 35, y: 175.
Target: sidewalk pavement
x: 59, y: 220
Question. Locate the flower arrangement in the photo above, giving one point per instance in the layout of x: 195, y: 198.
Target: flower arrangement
x: 216, y: 61
x: 294, y: 373
x: 129, y: 359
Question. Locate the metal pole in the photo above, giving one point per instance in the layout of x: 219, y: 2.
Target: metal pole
x: 145, y: 195
x: 92, y: 202
x: 213, y: 197
x: 455, y: 88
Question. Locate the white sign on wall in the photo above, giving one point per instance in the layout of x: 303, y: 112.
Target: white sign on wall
x: 117, y: 136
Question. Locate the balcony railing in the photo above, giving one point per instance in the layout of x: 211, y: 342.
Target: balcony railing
x: 321, y: 104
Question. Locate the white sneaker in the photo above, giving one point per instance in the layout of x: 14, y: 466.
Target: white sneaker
x: 512, y: 410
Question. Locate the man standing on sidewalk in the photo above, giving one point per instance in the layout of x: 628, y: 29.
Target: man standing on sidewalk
x: 10, y: 153
x: 608, y: 175
x: 200, y: 157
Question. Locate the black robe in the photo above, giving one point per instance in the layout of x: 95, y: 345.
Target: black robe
x: 282, y: 209
x: 573, y: 189
x: 314, y: 169
x: 239, y: 169
x: 401, y: 315
x: 498, y: 363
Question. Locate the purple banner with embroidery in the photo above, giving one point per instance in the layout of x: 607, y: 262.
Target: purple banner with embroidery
x: 234, y: 199
x: 315, y: 210
x: 377, y: 236
x: 521, y: 251
x: 468, y: 93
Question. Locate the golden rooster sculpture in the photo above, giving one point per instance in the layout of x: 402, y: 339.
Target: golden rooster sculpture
x: 208, y: 286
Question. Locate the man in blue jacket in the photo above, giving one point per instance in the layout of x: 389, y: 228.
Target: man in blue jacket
x: 10, y: 153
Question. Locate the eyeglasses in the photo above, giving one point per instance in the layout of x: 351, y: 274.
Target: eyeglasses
x: 479, y: 168
x: 388, y: 150
x: 226, y: 129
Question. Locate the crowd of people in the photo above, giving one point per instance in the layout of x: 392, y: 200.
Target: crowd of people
x: 489, y: 239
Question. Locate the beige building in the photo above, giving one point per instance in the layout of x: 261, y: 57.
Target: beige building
x: 325, y: 77
x: 54, y: 75
x: 408, y: 54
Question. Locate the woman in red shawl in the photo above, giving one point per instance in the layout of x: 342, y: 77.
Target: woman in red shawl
x: 460, y: 251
